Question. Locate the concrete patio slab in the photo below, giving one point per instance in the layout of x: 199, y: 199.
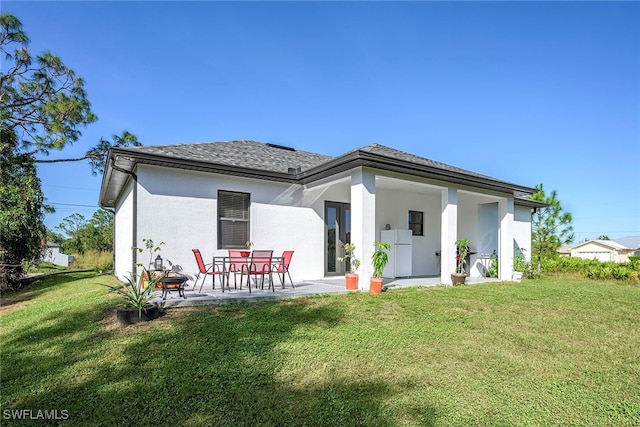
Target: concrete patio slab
x: 326, y: 286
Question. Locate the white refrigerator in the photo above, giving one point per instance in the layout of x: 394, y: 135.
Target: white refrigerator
x: 400, y: 254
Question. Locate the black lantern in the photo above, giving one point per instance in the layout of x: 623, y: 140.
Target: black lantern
x: 158, y: 263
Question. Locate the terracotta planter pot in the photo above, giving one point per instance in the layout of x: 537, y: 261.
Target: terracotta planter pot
x: 375, y: 285
x: 458, y: 279
x: 352, y: 281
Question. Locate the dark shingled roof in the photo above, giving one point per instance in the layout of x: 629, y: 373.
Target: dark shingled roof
x: 273, y: 162
x: 243, y: 153
x: 408, y: 157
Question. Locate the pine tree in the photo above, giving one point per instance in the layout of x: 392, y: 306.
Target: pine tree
x: 550, y: 226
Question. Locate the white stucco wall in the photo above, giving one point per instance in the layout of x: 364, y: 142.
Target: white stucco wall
x: 393, y: 208
x: 179, y: 208
x: 123, y: 228
x: 467, y: 221
x: 487, y: 238
x: 468, y: 228
x: 314, y: 198
x: 299, y: 229
x: 522, y: 231
x: 506, y: 215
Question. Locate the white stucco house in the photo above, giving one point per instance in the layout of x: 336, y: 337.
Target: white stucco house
x: 216, y: 196
x: 602, y: 250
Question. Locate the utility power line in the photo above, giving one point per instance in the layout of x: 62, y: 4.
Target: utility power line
x: 72, y: 204
x: 601, y: 231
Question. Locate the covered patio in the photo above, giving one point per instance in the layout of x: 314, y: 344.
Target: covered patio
x: 209, y: 296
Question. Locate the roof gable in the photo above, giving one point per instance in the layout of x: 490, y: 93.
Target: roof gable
x: 610, y: 244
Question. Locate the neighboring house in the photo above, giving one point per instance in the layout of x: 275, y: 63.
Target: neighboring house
x: 602, y: 250
x: 216, y: 196
x: 631, y: 242
x: 565, y: 250
x: 53, y: 254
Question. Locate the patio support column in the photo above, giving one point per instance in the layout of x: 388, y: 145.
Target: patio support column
x: 363, y: 221
x: 448, y: 233
x: 505, y: 238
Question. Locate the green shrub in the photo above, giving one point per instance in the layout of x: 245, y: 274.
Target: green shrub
x: 621, y: 273
x: 492, y: 271
x: 519, y: 264
x: 592, y: 269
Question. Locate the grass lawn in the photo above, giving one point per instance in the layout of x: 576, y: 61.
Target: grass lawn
x: 545, y: 353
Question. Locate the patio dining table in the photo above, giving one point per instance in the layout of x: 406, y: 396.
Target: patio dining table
x: 225, y: 263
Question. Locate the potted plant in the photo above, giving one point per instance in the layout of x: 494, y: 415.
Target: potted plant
x: 520, y: 265
x: 147, y: 275
x: 137, y: 300
x: 379, y: 260
x: 351, y: 277
x: 460, y: 275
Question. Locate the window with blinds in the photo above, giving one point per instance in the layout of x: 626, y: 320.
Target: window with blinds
x: 233, y: 219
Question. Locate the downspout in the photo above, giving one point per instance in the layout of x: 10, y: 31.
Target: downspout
x: 134, y: 221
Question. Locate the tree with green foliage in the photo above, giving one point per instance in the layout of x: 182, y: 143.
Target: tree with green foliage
x: 82, y: 235
x: 43, y: 106
x: 550, y: 226
x: 72, y: 227
x: 42, y: 99
x: 53, y: 237
x: 21, y: 211
x: 98, y: 234
x: 45, y: 102
x: 603, y: 237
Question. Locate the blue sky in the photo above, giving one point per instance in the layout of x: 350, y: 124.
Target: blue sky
x: 526, y: 92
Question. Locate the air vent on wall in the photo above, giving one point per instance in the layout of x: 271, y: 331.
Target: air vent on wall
x: 281, y: 147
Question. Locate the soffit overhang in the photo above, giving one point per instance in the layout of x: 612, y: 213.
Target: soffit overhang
x: 121, y: 165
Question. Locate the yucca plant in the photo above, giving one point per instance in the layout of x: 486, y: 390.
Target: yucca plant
x: 134, y: 294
